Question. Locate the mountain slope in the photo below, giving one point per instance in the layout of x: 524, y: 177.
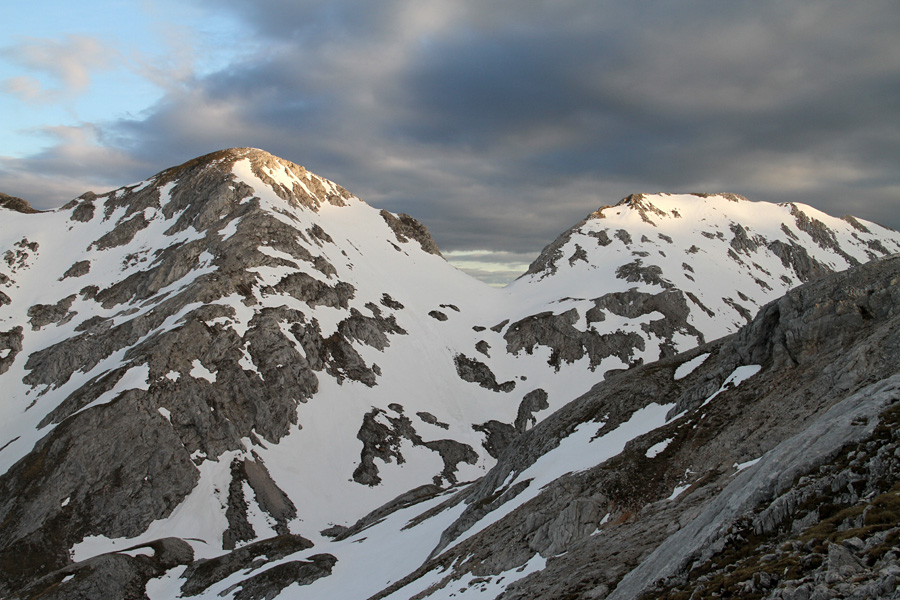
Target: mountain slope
x: 651, y: 470
x: 238, y: 350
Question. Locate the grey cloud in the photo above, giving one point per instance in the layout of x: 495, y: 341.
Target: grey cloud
x: 501, y: 124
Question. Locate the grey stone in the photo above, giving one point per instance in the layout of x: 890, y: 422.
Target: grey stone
x: 16, y: 204
x: 79, y: 269
x: 10, y: 346
x: 475, y: 371
x: 406, y: 228
x: 204, y: 573
x: 381, y: 435
x: 42, y: 315
x: 269, y: 583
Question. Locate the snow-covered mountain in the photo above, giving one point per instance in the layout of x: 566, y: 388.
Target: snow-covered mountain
x: 237, y: 378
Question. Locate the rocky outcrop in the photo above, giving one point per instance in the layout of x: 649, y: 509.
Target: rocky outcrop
x: 16, y: 204
x: 78, y: 269
x: 118, y: 575
x: 204, y: 573
x: 271, y: 582
x: 407, y: 228
x: 45, y: 314
x: 475, y: 371
x: 10, y: 346
x: 613, y: 528
x: 382, y: 434
x: 77, y: 482
x: 831, y: 534
x: 500, y: 436
x: 567, y: 343
x: 636, y: 271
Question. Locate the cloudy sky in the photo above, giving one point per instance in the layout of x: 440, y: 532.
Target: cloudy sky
x: 498, y: 124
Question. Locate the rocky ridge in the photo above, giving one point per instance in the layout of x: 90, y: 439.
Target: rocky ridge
x: 223, y: 322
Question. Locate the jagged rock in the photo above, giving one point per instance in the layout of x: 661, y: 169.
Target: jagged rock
x: 841, y: 562
x: 271, y: 582
x: 499, y: 326
x: 239, y: 527
x: 632, y: 488
x: 314, y: 292
x: 115, y: 485
x: 636, y: 272
x: 820, y: 233
x: 381, y: 435
x: 534, y: 401
x: 498, y: 436
x: 16, y: 204
x: 545, y: 264
x: 223, y: 307
x: 82, y: 211
x: 404, y: 500
x: 437, y: 315
x: 10, y: 346
x: 567, y: 343
x: 204, y: 573
x: 797, y: 258
x: 389, y: 302
x: 80, y: 268
x: 405, y: 228
x: 111, y: 575
x: 429, y: 418
x: 475, y: 371
x: 123, y: 233
x: 45, y: 314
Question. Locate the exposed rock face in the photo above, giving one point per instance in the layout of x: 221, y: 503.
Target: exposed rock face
x: 243, y: 340
x: 10, y: 346
x: 205, y: 387
x: 82, y: 267
x: 475, y: 371
x: 406, y: 228
x: 121, y: 575
x: 16, y: 204
x: 382, y: 435
x: 203, y: 573
x: 271, y: 582
x: 567, y: 343
x: 818, y: 351
x: 832, y: 534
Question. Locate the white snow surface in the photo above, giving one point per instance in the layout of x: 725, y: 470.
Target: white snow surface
x: 686, y: 368
x: 314, y: 462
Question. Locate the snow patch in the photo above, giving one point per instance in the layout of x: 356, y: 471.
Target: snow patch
x: 654, y: 450
x: 165, y: 413
x: 690, y: 366
x: 678, y: 490
x: 745, y: 465
x: 198, y: 371
x: 737, y: 377
x: 139, y: 552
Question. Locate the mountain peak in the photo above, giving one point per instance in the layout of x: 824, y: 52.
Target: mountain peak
x: 16, y: 204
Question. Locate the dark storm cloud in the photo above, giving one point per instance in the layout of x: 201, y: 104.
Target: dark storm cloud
x: 502, y: 124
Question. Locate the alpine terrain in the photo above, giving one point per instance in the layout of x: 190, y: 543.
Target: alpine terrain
x: 236, y: 379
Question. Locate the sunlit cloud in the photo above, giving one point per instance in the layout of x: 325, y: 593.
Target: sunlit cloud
x: 67, y: 64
